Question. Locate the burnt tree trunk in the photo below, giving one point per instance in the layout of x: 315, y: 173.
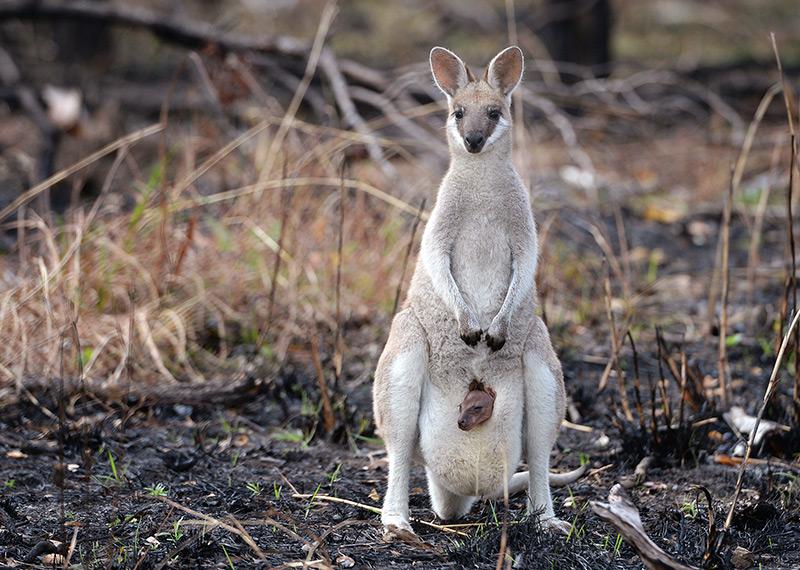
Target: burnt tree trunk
x: 579, y: 32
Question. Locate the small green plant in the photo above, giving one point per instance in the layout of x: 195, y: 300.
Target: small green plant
x: 575, y: 531
x: 689, y: 509
x: 276, y: 491
x: 113, y: 464
x: 652, y: 266
x: 733, y: 340
x: 177, y: 534
x: 11, y: 484
x: 334, y: 476
x: 312, y: 499
x: 225, y: 425
x: 117, y: 473
x: 766, y: 346
x: 85, y: 357
x: 617, y: 546
x: 157, y: 490
x: 494, y: 514
x: 228, y: 558
x: 254, y: 487
x: 294, y: 436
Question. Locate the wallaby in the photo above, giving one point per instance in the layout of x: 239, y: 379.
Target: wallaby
x: 473, y: 282
x: 477, y: 407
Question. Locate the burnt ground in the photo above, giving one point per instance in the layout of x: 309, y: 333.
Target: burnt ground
x: 189, y: 483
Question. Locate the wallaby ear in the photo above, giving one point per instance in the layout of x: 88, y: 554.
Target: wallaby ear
x: 505, y: 70
x: 449, y: 72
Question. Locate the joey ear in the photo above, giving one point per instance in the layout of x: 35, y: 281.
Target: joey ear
x: 449, y: 72
x: 505, y: 70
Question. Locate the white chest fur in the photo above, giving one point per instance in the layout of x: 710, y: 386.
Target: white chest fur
x: 481, y: 264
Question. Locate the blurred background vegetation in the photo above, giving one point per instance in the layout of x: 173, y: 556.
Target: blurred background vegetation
x: 631, y: 108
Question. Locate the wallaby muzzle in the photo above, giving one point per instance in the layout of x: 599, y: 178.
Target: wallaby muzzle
x: 474, y: 141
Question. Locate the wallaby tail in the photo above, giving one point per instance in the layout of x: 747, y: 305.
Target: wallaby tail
x: 519, y: 481
x: 561, y: 479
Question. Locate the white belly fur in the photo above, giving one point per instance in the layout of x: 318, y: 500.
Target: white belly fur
x: 472, y: 463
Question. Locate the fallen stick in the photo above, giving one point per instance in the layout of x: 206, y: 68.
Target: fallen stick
x: 189, y: 34
x: 623, y: 514
x: 376, y: 510
x: 723, y: 459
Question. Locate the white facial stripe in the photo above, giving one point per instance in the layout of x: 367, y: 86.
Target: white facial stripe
x: 500, y: 128
x: 452, y: 131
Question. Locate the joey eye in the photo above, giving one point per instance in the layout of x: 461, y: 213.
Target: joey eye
x: 494, y: 114
x: 459, y: 114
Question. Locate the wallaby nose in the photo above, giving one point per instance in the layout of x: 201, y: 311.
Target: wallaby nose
x: 474, y: 141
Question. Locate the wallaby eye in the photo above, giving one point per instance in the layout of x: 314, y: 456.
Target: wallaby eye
x: 494, y: 114
x: 459, y: 114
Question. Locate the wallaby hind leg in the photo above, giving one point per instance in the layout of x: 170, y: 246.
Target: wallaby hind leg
x: 402, y: 370
x: 544, y: 409
x: 447, y: 505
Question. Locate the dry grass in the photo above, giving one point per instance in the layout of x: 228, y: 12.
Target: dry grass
x: 170, y: 286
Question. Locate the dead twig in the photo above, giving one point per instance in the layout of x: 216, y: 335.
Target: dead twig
x: 314, y: 59
x: 616, y: 347
x: 623, y: 514
x: 773, y: 383
x: 328, y: 419
x: 344, y: 101
x: 337, y: 339
x: 637, y: 390
x: 375, y: 510
x: 192, y: 35
x: 502, y: 554
x: 407, y: 256
x: 722, y: 355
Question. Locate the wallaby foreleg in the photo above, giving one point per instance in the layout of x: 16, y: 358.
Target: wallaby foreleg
x: 438, y: 266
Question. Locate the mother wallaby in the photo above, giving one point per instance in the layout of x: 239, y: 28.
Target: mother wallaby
x: 470, y: 316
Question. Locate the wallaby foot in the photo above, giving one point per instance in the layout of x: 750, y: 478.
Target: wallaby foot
x: 396, y: 528
x: 556, y: 525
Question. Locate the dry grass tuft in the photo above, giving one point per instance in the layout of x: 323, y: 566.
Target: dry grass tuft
x: 176, y: 284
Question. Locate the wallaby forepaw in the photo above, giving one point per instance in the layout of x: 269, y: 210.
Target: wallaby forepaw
x: 495, y: 342
x: 496, y: 335
x: 469, y: 329
x: 472, y: 337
